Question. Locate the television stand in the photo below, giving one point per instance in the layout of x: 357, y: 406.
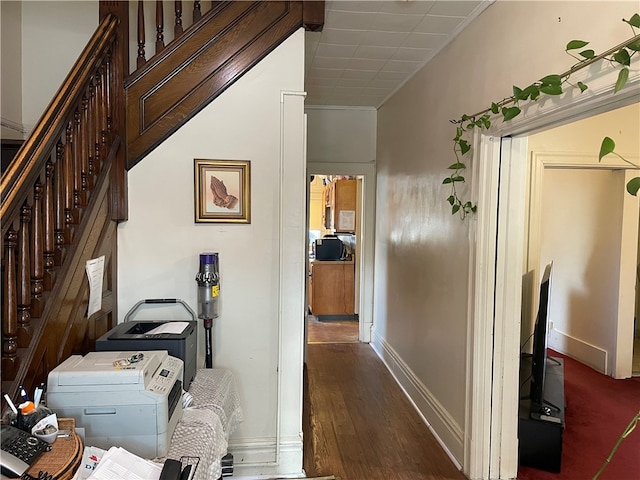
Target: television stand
x: 540, y: 431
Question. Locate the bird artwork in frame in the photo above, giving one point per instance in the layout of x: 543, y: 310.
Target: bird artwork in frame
x: 222, y: 191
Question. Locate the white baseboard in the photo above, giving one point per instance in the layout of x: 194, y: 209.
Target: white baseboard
x: 445, y: 429
x: 584, y: 352
x: 257, y: 458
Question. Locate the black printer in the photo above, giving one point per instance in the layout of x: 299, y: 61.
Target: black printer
x: 178, y: 337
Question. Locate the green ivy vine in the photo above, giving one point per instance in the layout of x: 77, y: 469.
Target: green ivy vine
x: 509, y: 108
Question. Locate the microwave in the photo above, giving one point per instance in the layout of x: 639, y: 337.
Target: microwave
x: 329, y: 248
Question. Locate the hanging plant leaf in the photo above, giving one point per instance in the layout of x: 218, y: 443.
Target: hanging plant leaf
x: 633, y: 186
x: 607, y: 146
x: 451, y: 199
x: 635, y: 46
x: 575, y: 44
x: 510, y: 113
x: 447, y: 181
x: 455, y: 209
x: 551, y: 89
x: 457, y: 178
x: 459, y: 133
x: 517, y: 93
x: 486, y: 121
x: 588, y: 54
x: 532, y: 91
x: 457, y: 166
x: 622, y: 57
x: 633, y: 21
x: 464, y: 146
x: 582, y: 87
x: 623, y: 76
x: 551, y: 80
x: 494, y: 108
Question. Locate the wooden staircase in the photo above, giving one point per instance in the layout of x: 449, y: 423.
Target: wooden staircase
x: 66, y: 190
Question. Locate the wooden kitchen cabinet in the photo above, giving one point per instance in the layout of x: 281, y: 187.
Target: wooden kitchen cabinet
x: 340, y: 206
x: 331, y: 287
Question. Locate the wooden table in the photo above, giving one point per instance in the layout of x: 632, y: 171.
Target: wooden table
x: 65, y: 456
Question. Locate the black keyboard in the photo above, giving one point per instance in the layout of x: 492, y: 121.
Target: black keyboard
x: 19, y: 450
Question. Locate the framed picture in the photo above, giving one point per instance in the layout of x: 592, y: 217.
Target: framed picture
x: 222, y: 191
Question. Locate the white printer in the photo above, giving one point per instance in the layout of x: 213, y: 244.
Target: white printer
x: 120, y: 398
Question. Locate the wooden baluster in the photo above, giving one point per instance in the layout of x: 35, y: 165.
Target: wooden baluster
x: 197, y: 14
x: 67, y: 182
x: 25, y: 331
x: 177, y: 29
x: 107, y: 95
x: 159, y: 27
x: 59, y: 202
x: 85, y: 153
x: 76, y: 150
x: 10, y: 360
x: 100, y: 122
x: 49, y: 227
x: 37, y: 252
x: 141, y: 55
x: 92, y: 129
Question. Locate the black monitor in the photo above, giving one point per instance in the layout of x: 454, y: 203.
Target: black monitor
x: 329, y: 248
x: 540, y: 334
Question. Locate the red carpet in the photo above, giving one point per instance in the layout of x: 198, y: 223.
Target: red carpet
x: 599, y: 408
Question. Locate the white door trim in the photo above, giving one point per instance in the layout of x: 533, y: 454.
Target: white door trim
x: 366, y: 246
x: 482, y: 247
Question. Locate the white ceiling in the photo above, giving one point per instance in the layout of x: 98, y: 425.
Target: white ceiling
x: 369, y: 48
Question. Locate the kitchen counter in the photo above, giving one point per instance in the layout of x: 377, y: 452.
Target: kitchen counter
x: 332, y: 287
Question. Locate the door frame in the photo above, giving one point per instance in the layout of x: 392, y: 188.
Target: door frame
x: 491, y: 440
x: 364, y: 248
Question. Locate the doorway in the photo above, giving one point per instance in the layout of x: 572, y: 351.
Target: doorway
x: 364, y: 239
x: 505, y: 168
x: 333, y: 284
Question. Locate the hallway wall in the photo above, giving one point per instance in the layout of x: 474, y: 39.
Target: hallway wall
x: 422, y: 291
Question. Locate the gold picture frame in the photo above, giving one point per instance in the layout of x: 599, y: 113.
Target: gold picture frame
x: 222, y: 191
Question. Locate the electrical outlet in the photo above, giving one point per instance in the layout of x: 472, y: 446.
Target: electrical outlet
x: 551, y: 325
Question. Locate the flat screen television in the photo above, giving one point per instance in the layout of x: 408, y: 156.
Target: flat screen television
x: 540, y: 335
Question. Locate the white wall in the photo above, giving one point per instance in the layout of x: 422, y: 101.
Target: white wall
x: 581, y: 225
x: 53, y: 36
x: 11, y: 94
x: 422, y: 289
x: 260, y: 329
x: 341, y: 135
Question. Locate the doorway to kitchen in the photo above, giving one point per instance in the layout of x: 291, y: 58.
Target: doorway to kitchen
x: 339, y: 267
x: 333, y: 282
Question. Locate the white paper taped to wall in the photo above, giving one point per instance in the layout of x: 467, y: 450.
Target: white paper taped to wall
x: 347, y: 219
x: 95, y: 273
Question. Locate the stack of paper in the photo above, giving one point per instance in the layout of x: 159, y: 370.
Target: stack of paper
x: 115, y: 464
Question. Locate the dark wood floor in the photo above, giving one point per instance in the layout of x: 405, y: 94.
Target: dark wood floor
x: 358, y: 425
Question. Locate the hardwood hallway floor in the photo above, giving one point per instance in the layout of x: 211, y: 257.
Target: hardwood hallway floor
x: 358, y: 424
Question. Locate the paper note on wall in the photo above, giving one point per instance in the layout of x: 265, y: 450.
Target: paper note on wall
x: 95, y: 273
x: 347, y: 220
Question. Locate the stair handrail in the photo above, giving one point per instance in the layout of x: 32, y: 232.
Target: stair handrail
x: 31, y: 159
